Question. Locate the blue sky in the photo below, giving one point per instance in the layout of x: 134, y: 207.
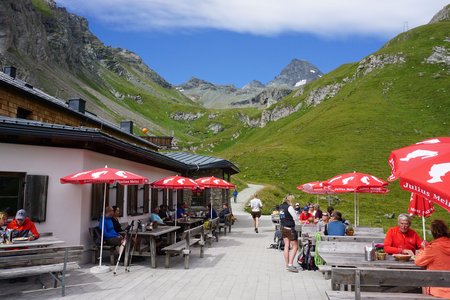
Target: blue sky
x: 236, y: 41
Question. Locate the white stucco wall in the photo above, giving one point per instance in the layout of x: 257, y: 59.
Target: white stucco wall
x: 68, y: 205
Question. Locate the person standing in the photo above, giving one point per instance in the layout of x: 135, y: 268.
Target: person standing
x: 235, y: 193
x: 288, y: 220
x: 436, y: 256
x: 402, y: 239
x: 255, y: 205
x: 22, y: 226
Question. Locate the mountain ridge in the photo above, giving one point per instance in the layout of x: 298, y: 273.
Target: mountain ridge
x: 254, y: 94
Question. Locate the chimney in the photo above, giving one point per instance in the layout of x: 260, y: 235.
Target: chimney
x: 127, y: 126
x: 11, y: 71
x: 78, y: 104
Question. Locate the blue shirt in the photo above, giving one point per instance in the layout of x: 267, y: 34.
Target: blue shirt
x: 336, y: 228
x: 154, y: 217
x: 109, y: 231
x: 180, y: 212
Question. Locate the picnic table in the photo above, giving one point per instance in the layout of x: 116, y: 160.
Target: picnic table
x: 151, y: 237
x: 186, y: 223
x: 40, y: 242
x: 357, y: 260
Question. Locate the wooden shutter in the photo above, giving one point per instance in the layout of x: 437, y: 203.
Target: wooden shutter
x: 146, y: 198
x: 35, y: 202
x: 98, y: 192
x: 132, y: 195
x: 120, y: 195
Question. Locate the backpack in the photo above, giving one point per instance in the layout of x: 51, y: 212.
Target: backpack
x: 305, y: 259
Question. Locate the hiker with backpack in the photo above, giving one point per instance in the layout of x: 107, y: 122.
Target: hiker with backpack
x: 288, y: 220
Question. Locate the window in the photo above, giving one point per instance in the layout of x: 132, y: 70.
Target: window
x: 11, y: 192
x: 199, y: 197
x: 23, y: 113
x: 18, y: 190
x: 116, y: 196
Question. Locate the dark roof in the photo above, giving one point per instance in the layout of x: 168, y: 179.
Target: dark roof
x: 200, y: 162
x: 21, y: 131
x: 34, y: 92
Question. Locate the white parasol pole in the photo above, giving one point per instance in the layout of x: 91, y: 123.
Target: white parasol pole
x: 423, y: 228
x: 100, y: 268
x: 354, y: 205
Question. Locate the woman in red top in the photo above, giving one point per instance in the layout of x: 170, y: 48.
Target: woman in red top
x: 436, y: 256
x: 402, y: 239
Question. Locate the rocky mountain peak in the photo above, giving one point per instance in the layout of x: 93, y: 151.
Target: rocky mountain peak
x: 254, y: 84
x: 296, y: 73
x: 442, y: 15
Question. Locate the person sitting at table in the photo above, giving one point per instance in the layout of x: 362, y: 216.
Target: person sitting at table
x: 436, y: 256
x: 3, y: 219
x: 181, y: 210
x: 402, y: 239
x: 210, y: 211
x: 321, y: 224
x: 306, y: 217
x: 22, y: 226
x: 317, y: 213
x: 164, y: 213
x: 225, y: 211
x: 154, y: 217
x: 110, y: 236
x: 115, y: 219
x: 335, y: 226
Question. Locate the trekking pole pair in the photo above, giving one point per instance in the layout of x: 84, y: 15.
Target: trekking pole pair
x: 123, y: 244
x: 127, y: 268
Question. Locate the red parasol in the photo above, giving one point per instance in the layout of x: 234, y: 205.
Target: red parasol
x: 420, y: 206
x: 356, y: 183
x: 315, y: 187
x: 177, y: 183
x: 424, y: 169
x: 213, y: 182
x: 104, y: 175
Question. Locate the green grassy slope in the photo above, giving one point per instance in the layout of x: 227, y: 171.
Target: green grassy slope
x: 386, y: 109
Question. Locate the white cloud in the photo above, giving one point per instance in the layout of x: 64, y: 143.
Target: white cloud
x: 261, y: 17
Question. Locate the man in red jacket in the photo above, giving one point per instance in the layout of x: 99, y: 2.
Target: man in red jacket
x: 401, y: 239
x: 22, y: 226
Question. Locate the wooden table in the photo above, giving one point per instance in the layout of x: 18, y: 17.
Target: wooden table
x: 186, y: 224
x: 40, y: 242
x: 151, y: 236
x: 358, y: 260
x: 354, y: 238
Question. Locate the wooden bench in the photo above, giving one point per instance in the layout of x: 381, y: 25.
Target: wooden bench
x: 225, y: 224
x: 55, y: 260
x: 353, y: 238
x: 335, y: 247
x: 369, y: 231
x: 95, y: 235
x: 213, y: 231
x: 387, y: 279
x: 183, y: 247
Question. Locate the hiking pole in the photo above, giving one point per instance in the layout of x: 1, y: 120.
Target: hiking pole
x: 123, y: 244
x: 127, y: 268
